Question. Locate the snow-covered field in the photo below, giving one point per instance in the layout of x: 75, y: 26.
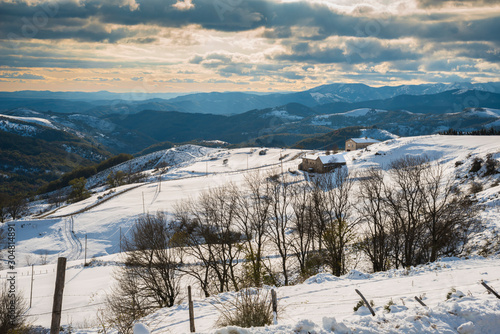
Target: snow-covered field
x: 320, y: 304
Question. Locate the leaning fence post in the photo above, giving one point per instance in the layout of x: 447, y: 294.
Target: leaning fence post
x: 275, y: 307
x: 420, y: 301
x: 490, y: 289
x: 365, y: 301
x: 191, y: 311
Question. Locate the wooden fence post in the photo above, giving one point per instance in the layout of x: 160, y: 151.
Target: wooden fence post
x: 365, y: 301
x: 85, y: 261
x: 490, y: 289
x: 31, y: 290
x: 275, y: 307
x: 58, y: 296
x: 191, y: 311
x: 420, y: 301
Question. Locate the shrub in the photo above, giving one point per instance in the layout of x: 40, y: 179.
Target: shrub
x: 387, y: 307
x: 476, y: 165
x: 251, y: 308
x: 475, y: 187
x: 358, y: 305
x: 78, y: 190
x: 362, y: 303
x: 491, y: 165
x: 450, y: 293
x: 16, y: 321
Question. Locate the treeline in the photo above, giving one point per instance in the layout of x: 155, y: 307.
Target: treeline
x: 411, y: 215
x: 84, y: 172
x: 481, y: 132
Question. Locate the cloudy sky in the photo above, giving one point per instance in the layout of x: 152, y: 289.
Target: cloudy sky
x: 244, y: 45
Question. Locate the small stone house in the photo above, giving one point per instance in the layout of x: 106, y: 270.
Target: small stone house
x: 322, y: 163
x: 359, y: 143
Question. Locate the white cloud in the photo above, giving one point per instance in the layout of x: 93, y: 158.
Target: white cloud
x: 183, y: 4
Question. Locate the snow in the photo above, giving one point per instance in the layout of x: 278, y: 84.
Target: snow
x: 282, y: 113
x: 320, y: 97
x: 478, y: 112
x: 326, y: 159
x: 327, y: 306
x: 22, y: 129
x: 141, y: 329
x: 378, y: 134
x: 364, y: 140
x: 362, y: 112
x: 217, y: 142
x: 321, y: 304
x: 35, y: 120
x: 324, y: 119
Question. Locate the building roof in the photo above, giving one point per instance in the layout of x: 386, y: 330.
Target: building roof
x: 365, y: 140
x: 327, y: 159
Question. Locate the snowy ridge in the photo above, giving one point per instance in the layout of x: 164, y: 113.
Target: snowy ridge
x: 17, y: 128
x: 282, y: 113
x: 378, y: 134
x: 362, y: 112
x: 35, y: 120
x: 324, y: 119
x: 482, y: 112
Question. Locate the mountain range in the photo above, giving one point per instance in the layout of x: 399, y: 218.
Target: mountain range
x: 38, y: 145
x: 226, y: 103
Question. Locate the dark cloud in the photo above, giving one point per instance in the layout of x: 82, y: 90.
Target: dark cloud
x: 458, y: 3
x: 175, y: 80
x: 61, y: 62
x: 196, y: 59
x: 143, y: 40
x: 304, y: 28
x: 354, y: 52
x: 89, y: 21
x: 25, y: 76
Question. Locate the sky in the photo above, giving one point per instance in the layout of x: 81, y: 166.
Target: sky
x: 244, y: 45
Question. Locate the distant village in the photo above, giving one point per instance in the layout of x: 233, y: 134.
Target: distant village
x: 324, y: 163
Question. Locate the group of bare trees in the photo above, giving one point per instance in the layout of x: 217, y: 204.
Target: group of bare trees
x: 413, y: 215
x: 406, y: 216
x: 228, y: 229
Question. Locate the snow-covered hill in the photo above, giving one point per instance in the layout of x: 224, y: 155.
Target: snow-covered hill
x: 320, y: 304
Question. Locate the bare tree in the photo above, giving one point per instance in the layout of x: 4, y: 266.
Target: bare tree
x: 334, y: 209
x: 281, y: 219
x: 303, y: 236
x: 252, y: 215
x: 449, y: 216
x: 152, y: 262
x: 406, y: 203
x: 149, y: 280
x: 374, y: 214
x: 126, y: 303
x: 209, y: 229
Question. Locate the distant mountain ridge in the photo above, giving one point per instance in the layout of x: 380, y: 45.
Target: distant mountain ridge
x: 226, y: 103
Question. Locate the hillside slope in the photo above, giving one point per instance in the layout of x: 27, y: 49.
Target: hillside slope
x: 194, y: 169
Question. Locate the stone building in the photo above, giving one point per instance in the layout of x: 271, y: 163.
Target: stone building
x: 322, y: 163
x: 359, y: 143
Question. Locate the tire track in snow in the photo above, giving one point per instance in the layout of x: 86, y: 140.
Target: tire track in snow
x: 72, y: 242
